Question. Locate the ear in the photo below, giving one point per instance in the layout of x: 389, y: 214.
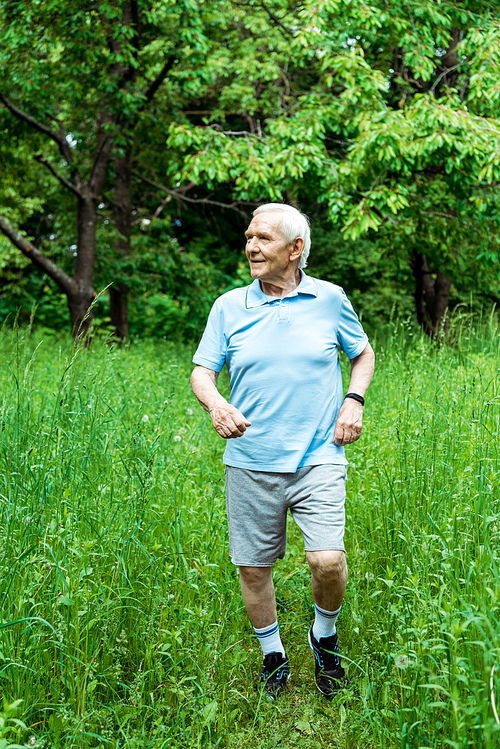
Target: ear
x: 296, y: 248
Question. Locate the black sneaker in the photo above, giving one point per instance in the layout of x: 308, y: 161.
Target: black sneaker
x: 329, y: 674
x: 275, y: 673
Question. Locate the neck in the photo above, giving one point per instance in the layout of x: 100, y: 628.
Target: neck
x: 281, y: 288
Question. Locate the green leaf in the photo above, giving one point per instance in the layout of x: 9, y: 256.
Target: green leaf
x: 66, y: 601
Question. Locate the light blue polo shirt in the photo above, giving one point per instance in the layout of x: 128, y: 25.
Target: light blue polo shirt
x: 283, y: 363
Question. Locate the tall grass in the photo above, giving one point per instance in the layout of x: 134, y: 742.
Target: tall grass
x: 121, y: 620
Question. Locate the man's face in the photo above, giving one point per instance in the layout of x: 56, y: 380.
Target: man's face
x: 271, y: 259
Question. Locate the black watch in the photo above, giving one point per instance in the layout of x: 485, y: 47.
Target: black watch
x: 356, y: 397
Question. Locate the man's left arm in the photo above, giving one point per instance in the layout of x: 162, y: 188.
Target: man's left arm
x: 350, y: 418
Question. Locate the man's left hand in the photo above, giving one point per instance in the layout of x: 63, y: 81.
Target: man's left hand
x: 349, y: 423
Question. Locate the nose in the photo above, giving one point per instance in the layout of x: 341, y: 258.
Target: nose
x: 251, y: 244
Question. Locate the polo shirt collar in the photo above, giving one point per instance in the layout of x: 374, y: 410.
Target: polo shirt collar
x: 256, y: 297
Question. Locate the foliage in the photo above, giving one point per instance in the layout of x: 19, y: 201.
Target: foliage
x: 171, y: 296
x: 10, y: 725
x: 174, y: 289
x: 386, y: 113
x: 377, y: 281
x: 85, y: 77
x: 122, y: 622
x: 380, y: 118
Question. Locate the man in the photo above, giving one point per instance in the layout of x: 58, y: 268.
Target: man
x: 286, y: 425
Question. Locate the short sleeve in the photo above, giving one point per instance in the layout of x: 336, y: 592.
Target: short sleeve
x: 351, y: 337
x: 211, y: 353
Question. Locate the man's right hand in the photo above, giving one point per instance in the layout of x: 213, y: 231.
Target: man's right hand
x: 228, y: 421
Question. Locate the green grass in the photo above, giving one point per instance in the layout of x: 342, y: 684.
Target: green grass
x: 121, y: 622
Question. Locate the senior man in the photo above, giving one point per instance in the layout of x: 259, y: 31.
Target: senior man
x: 286, y: 424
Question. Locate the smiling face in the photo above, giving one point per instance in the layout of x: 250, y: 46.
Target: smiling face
x: 272, y: 260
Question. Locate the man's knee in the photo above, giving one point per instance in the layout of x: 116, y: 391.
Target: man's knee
x: 255, y: 577
x: 328, y: 566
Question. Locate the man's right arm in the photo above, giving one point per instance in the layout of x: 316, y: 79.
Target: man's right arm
x: 227, y: 420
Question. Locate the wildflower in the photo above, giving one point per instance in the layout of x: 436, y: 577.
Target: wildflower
x: 401, y: 661
x: 369, y: 575
x: 189, y: 411
x: 182, y: 430
x: 177, y: 438
x: 145, y: 418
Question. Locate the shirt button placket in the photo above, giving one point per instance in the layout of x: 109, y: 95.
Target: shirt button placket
x: 282, y: 310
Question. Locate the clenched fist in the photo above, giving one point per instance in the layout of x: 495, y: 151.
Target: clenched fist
x: 228, y: 421
x: 349, y: 423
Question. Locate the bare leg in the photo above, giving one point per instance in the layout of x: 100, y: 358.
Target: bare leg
x: 257, y: 590
x: 328, y: 578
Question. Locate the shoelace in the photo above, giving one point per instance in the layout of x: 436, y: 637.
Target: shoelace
x: 271, y: 669
x: 331, y: 659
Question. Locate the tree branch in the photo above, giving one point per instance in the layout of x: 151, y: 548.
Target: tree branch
x: 445, y: 72
x: 180, y: 196
x: 245, y: 133
x: 276, y: 20
x: 65, y: 182
x: 61, y: 278
x: 32, y: 122
x: 155, y: 85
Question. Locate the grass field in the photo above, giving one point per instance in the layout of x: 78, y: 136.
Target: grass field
x: 121, y: 619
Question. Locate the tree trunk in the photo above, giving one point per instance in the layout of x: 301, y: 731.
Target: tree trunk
x: 431, y: 296
x: 118, y: 311
x: 80, y: 313
x: 78, y: 291
x: 118, y: 293
x: 82, y: 292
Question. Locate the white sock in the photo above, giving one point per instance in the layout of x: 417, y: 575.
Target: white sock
x: 270, y: 640
x: 324, y: 622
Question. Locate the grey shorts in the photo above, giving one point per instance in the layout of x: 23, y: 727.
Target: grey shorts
x: 257, y: 503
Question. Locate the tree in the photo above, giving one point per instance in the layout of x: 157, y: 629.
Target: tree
x: 386, y: 113
x: 83, y: 75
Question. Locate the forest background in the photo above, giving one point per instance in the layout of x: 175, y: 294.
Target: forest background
x: 137, y: 137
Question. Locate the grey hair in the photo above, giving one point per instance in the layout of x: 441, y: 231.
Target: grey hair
x: 293, y: 224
